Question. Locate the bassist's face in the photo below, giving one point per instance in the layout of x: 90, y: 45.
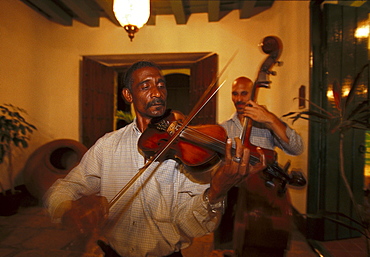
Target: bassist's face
x: 241, y: 93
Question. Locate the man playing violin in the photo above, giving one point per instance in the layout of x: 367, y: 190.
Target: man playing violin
x: 163, y: 209
x: 267, y: 132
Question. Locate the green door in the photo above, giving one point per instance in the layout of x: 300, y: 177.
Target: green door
x: 337, y: 57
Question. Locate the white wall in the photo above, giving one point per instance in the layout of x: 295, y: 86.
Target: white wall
x: 40, y: 63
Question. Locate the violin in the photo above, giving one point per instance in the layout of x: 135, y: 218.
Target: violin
x: 199, y: 148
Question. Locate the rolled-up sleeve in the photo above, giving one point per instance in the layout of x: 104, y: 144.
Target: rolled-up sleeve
x: 295, y: 145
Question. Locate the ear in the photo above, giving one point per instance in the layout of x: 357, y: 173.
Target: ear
x: 127, y: 95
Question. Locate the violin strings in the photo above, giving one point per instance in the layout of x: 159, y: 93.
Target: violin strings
x: 197, y: 136
x: 213, y: 143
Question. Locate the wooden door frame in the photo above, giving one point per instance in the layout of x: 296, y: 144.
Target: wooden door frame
x: 164, y: 60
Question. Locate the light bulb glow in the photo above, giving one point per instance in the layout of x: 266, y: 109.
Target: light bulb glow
x: 362, y: 32
x: 132, y: 12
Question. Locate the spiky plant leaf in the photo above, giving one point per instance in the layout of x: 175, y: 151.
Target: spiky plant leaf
x: 352, y: 92
x: 337, y: 93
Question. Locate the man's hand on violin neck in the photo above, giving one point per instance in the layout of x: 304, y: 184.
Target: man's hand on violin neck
x: 234, y: 170
x: 87, y: 213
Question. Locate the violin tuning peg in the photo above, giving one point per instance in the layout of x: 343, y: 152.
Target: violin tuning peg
x: 286, y: 166
x: 279, y: 63
x: 297, y: 179
x: 269, y: 184
x: 273, y: 73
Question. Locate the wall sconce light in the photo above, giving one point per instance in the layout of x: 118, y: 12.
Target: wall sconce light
x: 131, y: 14
x: 363, y: 32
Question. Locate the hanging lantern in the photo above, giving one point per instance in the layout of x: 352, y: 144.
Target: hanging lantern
x: 131, y: 14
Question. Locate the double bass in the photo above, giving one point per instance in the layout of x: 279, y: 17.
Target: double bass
x: 263, y: 209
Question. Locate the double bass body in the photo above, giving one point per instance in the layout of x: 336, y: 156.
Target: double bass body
x: 263, y: 215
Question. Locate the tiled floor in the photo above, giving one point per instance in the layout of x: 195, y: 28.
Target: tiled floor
x: 29, y: 233
x: 354, y: 247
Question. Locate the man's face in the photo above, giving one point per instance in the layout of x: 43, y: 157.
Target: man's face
x: 241, y: 93
x: 149, y: 92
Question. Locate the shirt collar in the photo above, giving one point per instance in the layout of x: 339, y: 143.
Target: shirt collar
x: 135, y: 127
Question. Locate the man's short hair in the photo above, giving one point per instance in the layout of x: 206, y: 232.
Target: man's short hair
x: 127, y: 79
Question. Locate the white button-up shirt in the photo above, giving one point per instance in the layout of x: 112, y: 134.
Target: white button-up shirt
x: 160, y: 212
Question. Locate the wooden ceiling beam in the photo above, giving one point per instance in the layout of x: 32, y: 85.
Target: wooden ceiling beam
x: 179, y: 11
x: 250, y: 8
x: 151, y: 20
x: 107, y: 7
x: 213, y: 10
x: 246, y: 9
x: 89, y: 11
x: 83, y: 11
x: 51, y: 11
x: 352, y: 3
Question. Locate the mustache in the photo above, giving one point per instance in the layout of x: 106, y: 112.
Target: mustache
x: 240, y: 102
x: 156, y: 101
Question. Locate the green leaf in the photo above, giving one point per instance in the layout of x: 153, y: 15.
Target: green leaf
x: 317, y: 114
x: 2, y: 153
x: 300, y: 116
x: 361, y: 125
x: 337, y: 93
x: 363, y: 106
x: 288, y: 114
x: 15, y: 141
x: 23, y: 129
x: 24, y: 143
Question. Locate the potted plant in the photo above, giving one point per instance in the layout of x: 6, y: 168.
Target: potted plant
x: 14, y: 132
x: 123, y: 118
x: 347, y: 114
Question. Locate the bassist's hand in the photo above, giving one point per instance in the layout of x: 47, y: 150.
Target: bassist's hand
x: 260, y: 114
